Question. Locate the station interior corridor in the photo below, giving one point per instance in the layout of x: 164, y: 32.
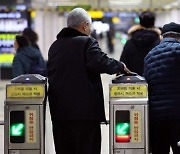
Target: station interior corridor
x: 49, y: 144
x: 47, y: 18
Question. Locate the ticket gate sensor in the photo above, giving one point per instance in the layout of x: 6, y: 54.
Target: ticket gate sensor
x: 129, y: 115
x: 24, y: 115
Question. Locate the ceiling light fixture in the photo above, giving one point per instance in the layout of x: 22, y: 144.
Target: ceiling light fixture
x: 125, y: 2
x: 171, y: 5
x: 53, y: 4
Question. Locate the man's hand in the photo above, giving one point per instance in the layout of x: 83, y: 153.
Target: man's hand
x: 126, y: 71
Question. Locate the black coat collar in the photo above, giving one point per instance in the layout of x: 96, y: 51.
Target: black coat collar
x: 69, y: 32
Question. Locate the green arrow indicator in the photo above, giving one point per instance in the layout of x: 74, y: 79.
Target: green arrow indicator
x: 17, y: 129
x: 122, y: 128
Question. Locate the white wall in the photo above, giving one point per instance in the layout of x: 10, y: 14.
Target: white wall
x: 48, y: 25
x: 167, y: 17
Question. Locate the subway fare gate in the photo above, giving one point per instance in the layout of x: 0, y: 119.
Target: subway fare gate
x: 129, y: 115
x: 24, y: 115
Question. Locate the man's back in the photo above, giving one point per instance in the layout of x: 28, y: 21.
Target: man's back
x: 74, y: 67
x: 69, y: 85
x: 162, y: 72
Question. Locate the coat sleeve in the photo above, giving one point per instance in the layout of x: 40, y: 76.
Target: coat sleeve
x: 17, y: 67
x: 98, y: 61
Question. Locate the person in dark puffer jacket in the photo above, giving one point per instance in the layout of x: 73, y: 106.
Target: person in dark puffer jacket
x: 162, y: 72
x: 25, y: 56
x: 143, y: 38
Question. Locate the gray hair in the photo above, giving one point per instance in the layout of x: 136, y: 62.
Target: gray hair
x: 77, y: 16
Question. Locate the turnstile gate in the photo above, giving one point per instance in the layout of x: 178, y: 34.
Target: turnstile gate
x: 24, y: 115
x: 129, y: 115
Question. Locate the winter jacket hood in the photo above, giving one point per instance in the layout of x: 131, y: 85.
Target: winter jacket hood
x: 29, y: 51
x: 143, y: 37
x: 24, y: 58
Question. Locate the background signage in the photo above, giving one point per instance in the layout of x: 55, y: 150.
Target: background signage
x: 11, y: 24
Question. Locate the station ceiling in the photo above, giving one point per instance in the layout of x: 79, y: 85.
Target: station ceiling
x: 113, y: 4
x: 98, y: 4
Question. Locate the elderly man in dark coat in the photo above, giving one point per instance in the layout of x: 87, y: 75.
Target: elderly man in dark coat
x: 162, y: 72
x: 75, y: 89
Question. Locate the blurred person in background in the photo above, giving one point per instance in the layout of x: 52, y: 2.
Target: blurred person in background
x: 94, y: 34
x: 75, y: 62
x: 162, y: 73
x: 110, y: 39
x: 143, y: 37
x: 26, y: 56
x: 32, y: 36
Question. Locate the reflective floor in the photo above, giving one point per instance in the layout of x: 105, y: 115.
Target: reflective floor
x: 49, y: 145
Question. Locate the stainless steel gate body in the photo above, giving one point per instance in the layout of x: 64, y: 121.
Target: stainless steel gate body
x: 24, y: 115
x: 129, y: 116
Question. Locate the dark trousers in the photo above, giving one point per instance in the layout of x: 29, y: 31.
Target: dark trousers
x: 164, y: 134
x: 77, y: 137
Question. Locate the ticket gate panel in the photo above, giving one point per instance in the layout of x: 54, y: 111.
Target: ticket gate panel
x: 24, y: 114
x: 129, y: 115
x: 135, y: 119
x: 31, y: 121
